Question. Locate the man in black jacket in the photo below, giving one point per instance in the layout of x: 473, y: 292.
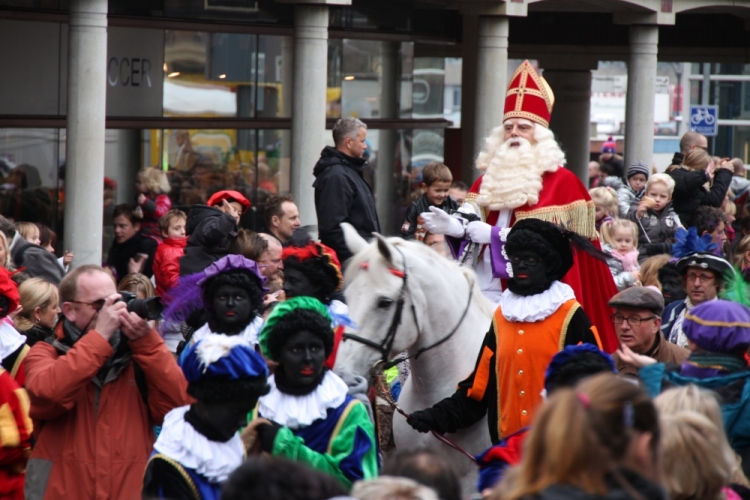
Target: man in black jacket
x: 341, y: 193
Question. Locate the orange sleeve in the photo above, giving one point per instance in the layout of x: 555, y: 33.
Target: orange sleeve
x: 481, y: 376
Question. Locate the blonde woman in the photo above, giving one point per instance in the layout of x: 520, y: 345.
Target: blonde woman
x: 698, y: 168
x: 697, y: 460
x: 742, y: 254
x: 5, y: 252
x: 599, y: 440
x: 693, y: 398
x: 41, y: 309
x: 650, y: 270
x: 138, y: 284
x: 153, y: 186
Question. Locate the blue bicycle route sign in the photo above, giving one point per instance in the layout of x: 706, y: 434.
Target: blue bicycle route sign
x: 704, y: 119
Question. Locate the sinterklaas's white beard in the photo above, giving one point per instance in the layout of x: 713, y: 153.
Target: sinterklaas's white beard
x: 513, y: 175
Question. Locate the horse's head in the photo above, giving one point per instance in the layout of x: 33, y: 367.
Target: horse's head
x: 374, y: 282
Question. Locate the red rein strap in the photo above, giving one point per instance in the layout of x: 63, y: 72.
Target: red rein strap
x: 392, y: 270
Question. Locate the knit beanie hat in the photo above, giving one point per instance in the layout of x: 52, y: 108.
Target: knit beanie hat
x: 638, y: 167
x: 270, y: 347
x: 609, y: 146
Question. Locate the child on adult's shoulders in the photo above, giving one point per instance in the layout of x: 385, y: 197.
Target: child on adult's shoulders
x: 621, y: 244
x: 168, y: 253
x: 657, y: 221
x: 632, y: 190
x: 437, y: 181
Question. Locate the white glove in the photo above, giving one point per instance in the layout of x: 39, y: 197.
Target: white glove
x: 479, y: 232
x: 438, y: 222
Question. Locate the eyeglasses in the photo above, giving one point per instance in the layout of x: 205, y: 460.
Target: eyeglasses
x: 95, y: 305
x: 530, y: 261
x: 704, y: 278
x: 635, y: 321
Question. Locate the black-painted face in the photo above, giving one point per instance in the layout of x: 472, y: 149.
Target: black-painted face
x: 530, y: 273
x: 302, y: 358
x: 672, y: 289
x: 232, y: 308
x: 297, y: 284
x: 226, y: 418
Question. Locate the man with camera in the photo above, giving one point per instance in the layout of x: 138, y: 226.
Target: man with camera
x: 97, y: 388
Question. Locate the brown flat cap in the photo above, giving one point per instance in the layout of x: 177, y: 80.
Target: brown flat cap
x: 639, y: 297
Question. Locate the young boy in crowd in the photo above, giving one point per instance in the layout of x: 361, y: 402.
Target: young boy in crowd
x: 437, y: 179
x: 633, y: 189
x: 168, y: 253
x: 656, y: 220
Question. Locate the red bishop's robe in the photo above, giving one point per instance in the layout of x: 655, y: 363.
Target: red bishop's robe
x: 564, y: 200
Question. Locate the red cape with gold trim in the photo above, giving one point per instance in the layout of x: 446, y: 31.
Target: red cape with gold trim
x: 565, y: 200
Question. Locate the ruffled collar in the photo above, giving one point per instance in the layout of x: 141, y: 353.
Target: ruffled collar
x: 300, y: 411
x: 532, y: 308
x: 213, y: 460
x: 10, y: 340
x: 249, y: 334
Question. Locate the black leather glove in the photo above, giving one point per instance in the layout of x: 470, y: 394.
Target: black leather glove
x: 267, y: 435
x: 422, y: 420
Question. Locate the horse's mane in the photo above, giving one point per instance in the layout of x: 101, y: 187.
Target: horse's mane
x: 447, y: 266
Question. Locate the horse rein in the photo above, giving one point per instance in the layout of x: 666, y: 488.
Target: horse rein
x: 386, y: 346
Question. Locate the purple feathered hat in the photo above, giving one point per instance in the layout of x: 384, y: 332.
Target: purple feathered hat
x: 187, y: 296
x: 719, y: 326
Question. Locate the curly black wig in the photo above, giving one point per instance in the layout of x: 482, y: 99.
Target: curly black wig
x: 238, y: 278
x: 295, y: 322
x: 223, y: 390
x: 576, y: 369
x: 318, y: 271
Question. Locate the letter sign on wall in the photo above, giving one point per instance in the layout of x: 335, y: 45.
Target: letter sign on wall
x: 135, y: 78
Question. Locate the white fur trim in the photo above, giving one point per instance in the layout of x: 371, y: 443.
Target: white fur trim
x: 213, y: 460
x: 214, y: 347
x: 300, y: 411
x: 533, y: 308
x: 10, y: 339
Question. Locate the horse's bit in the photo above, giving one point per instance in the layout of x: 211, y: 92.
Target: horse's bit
x: 385, y: 347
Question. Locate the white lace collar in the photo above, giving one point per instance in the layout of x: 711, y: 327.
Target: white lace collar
x: 532, y: 308
x: 10, y: 339
x: 213, y: 460
x: 249, y: 334
x: 300, y: 411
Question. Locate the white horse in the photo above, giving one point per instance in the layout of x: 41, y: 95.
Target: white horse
x: 436, y: 298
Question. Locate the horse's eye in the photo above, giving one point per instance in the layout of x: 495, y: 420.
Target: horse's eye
x: 384, y: 302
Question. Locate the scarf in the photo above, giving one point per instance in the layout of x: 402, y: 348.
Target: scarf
x: 706, y: 364
x: 629, y: 260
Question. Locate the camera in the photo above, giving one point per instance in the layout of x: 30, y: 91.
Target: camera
x: 150, y: 308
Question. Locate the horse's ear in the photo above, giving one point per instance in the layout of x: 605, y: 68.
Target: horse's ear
x: 384, y: 247
x: 354, y: 241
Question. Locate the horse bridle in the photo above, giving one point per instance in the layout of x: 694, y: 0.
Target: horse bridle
x: 386, y: 346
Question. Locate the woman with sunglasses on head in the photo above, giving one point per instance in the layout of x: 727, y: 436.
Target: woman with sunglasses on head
x: 537, y: 316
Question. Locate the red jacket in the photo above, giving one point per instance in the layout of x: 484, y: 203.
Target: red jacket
x: 15, y: 438
x: 94, y: 438
x: 167, y: 264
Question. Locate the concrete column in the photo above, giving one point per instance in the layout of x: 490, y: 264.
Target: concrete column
x: 386, y: 176
x: 571, y: 117
x: 87, y: 81
x: 491, y: 78
x: 469, y: 140
x: 287, y: 83
x: 639, y: 111
x: 309, y: 103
